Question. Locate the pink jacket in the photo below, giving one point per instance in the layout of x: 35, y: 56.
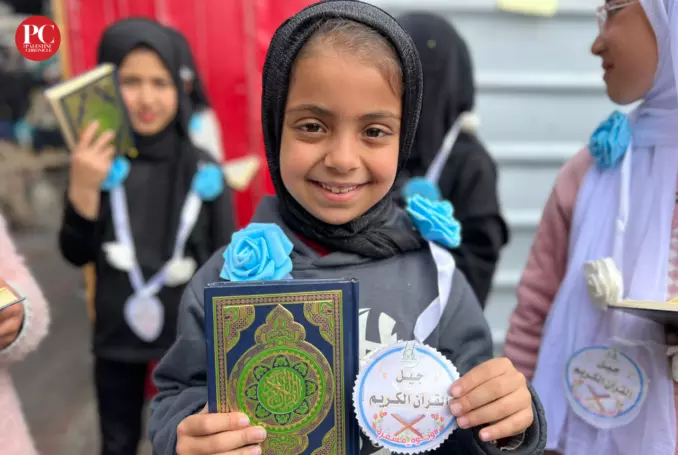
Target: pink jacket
x: 15, y: 438
x: 545, y: 269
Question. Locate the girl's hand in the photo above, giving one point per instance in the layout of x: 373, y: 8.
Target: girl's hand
x: 90, y: 162
x: 218, y: 434
x: 11, y: 321
x: 493, y: 393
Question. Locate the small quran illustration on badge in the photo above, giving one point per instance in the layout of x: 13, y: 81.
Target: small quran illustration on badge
x: 8, y: 296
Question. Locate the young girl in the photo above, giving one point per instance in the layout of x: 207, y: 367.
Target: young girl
x: 142, y: 232
x: 611, y: 208
x: 22, y: 327
x: 342, y: 93
x: 204, y: 126
x: 469, y: 176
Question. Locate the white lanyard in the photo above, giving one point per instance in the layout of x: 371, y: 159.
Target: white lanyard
x: 438, y: 164
x: 143, y: 304
x: 623, y: 210
x: 429, y: 319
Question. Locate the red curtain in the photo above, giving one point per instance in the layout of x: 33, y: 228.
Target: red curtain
x: 229, y: 39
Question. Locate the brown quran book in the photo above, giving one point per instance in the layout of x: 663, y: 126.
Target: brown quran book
x: 662, y: 312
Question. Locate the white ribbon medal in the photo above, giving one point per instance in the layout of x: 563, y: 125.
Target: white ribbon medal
x: 402, y: 393
x: 144, y: 313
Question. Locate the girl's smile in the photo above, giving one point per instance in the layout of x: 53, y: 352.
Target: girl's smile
x: 338, y: 192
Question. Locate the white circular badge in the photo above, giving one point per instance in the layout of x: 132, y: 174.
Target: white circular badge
x: 145, y: 316
x: 402, y: 396
x: 604, y: 386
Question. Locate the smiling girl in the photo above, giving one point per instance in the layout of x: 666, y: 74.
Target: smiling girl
x: 342, y: 92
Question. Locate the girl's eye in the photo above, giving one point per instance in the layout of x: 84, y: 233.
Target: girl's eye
x: 129, y: 81
x: 311, y: 128
x: 375, y: 133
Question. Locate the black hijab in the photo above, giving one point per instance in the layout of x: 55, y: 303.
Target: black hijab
x: 372, y: 234
x: 448, y: 83
x: 161, y: 175
x: 198, y: 95
x: 469, y: 178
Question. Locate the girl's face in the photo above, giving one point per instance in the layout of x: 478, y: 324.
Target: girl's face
x: 628, y: 48
x: 340, y: 139
x: 149, y: 92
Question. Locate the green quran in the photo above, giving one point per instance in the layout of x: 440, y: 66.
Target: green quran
x: 286, y: 354
x: 93, y: 95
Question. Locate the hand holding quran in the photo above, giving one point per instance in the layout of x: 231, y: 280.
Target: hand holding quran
x: 11, y: 314
x: 207, y: 433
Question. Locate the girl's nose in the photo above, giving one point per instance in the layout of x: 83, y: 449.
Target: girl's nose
x: 598, y: 45
x: 342, y: 155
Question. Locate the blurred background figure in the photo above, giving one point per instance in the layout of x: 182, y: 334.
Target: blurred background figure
x: 22, y: 327
x: 204, y: 126
x: 469, y: 177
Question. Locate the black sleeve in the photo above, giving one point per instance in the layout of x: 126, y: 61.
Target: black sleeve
x: 465, y: 339
x: 79, y: 238
x: 181, y: 375
x: 469, y: 182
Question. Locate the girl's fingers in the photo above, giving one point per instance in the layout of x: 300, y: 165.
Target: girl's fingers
x: 511, y: 426
x: 251, y: 450
x: 210, y: 424
x: 228, y: 441
x: 488, y: 392
x: 108, y: 152
x: 479, y: 375
x: 87, y: 135
x: 497, y: 410
x: 103, y: 141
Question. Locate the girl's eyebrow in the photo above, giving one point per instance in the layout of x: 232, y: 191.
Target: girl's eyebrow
x: 324, y: 112
x: 312, y: 108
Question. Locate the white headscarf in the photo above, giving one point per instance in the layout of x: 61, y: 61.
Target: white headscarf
x: 647, y: 180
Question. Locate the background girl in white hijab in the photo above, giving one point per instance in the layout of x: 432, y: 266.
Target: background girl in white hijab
x: 615, y: 203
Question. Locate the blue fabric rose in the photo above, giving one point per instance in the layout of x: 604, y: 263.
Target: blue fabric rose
x: 610, y: 140
x: 260, y: 252
x: 117, y: 173
x: 208, y: 182
x: 435, y: 220
x: 195, y: 124
x: 421, y: 186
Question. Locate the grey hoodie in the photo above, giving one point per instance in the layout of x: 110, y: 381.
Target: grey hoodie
x: 393, y: 293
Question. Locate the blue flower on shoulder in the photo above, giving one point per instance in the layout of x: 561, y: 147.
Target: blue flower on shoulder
x: 208, y: 182
x: 259, y: 252
x: 435, y: 220
x: 610, y: 140
x: 117, y: 173
x: 195, y: 124
x: 421, y: 186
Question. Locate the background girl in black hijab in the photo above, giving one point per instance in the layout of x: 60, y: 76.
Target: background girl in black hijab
x: 469, y: 178
x: 158, y: 183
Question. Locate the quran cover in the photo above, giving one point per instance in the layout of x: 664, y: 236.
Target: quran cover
x: 8, y: 296
x: 286, y: 354
x: 93, y: 95
x: 662, y: 312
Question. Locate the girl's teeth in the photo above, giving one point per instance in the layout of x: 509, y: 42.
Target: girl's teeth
x: 334, y: 189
